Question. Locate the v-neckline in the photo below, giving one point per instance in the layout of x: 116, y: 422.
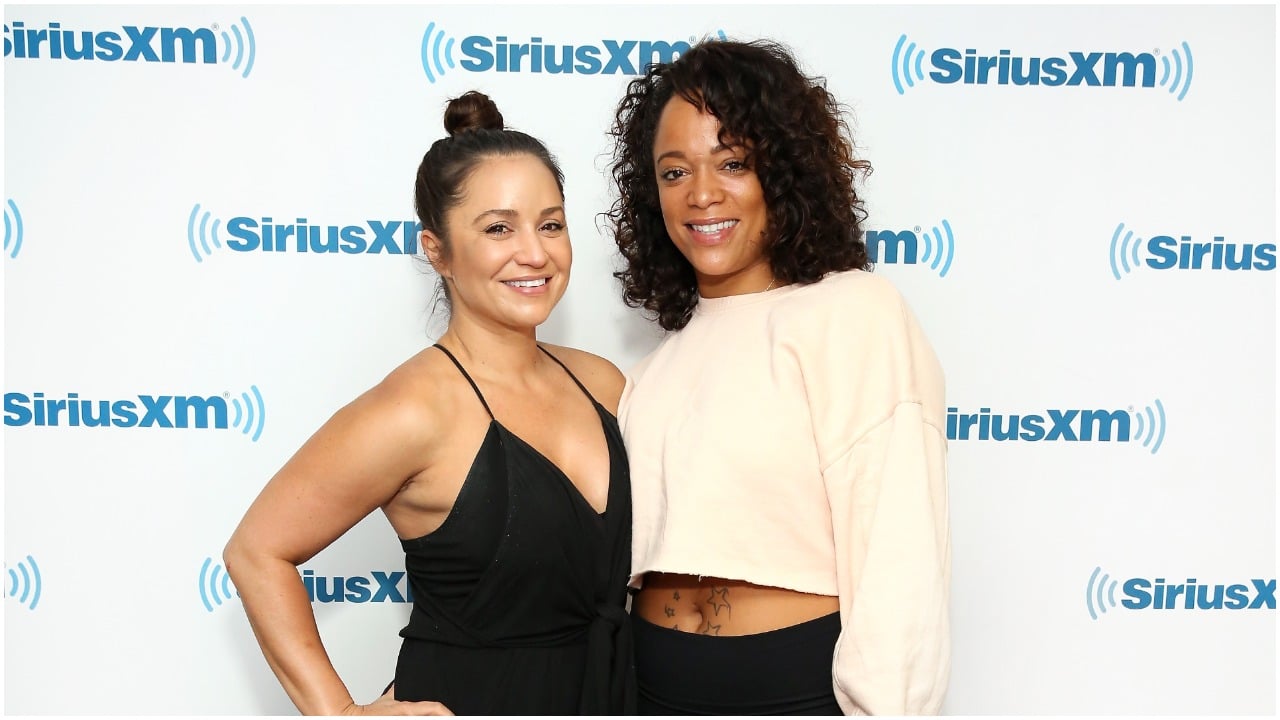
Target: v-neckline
x: 564, y: 477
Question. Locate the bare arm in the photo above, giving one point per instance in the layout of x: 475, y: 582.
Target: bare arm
x: 356, y: 462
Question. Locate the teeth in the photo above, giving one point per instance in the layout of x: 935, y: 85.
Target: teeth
x: 714, y: 227
x: 527, y: 283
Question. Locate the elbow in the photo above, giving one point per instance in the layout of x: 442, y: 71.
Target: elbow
x: 243, y: 558
x: 236, y: 555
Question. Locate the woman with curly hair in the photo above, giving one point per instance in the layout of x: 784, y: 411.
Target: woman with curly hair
x: 791, y: 549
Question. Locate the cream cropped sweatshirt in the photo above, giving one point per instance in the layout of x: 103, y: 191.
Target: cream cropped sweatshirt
x: 795, y: 438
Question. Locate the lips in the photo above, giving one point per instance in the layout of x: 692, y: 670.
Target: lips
x: 713, y: 227
x: 711, y: 231
x: 527, y: 283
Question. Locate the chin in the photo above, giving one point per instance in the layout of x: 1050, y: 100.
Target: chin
x: 527, y: 320
x: 714, y: 269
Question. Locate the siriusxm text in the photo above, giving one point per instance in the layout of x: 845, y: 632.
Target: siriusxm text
x: 129, y: 43
x: 163, y: 411
x: 1053, y: 425
x: 395, y: 237
x: 375, y: 587
x: 1165, y: 252
x: 610, y: 57
x: 1156, y: 594
x: 1096, y: 69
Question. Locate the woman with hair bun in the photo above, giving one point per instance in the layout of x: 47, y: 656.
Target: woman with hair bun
x: 788, y: 455
x: 497, y: 460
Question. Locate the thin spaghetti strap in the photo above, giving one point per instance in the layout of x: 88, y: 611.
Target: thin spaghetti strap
x: 571, y: 375
x: 480, y: 395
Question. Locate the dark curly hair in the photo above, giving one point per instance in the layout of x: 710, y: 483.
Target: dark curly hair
x: 798, y: 144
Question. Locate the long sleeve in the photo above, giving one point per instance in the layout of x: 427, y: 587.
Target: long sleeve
x: 876, y: 397
x: 889, y: 513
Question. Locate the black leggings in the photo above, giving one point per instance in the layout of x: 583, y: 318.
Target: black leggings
x: 780, y: 672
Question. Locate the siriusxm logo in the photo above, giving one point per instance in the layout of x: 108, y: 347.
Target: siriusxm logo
x: 144, y: 411
x: 376, y: 587
x: 1167, y: 252
x: 247, y: 234
x: 12, y: 229
x: 1079, y: 425
x: 131, y: 43
x: 501, y: 54
x: 935, y: 247
x: 1157, y: 594
x: 1076, y: 68
x: 24, y: 582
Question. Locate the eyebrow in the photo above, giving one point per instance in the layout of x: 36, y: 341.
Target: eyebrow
x: 508, y: 213
x: 681, y: 156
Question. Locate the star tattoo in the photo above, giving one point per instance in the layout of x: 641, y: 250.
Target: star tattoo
x: 719, y: 599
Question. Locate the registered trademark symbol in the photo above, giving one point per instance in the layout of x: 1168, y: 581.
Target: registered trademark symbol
x: 1157, y: 51
x: 692, y: 39
x: 917, y: 228
x: 214, y: 26
x: 226, y: 395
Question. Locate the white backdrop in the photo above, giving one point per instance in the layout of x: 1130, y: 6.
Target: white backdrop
x: 1044, y: 218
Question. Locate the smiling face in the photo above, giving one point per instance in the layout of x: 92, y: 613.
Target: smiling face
x: 712, y: 202
x: 507, y: 255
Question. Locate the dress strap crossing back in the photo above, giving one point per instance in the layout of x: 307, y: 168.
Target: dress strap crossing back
x: 475, y: 387
x: 571, y: 375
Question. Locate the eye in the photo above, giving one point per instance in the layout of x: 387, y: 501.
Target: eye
x: 498, y: 229
x: 552, y: 226
x: 736, y: 166
x: 672, y: 174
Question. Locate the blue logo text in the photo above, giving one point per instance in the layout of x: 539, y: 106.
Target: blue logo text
x: 1146, y: 425
x: 142, y: 411
x: 133, y: 43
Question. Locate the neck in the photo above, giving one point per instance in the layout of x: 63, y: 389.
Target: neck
x: 754, y: 279
x: 491, y: 351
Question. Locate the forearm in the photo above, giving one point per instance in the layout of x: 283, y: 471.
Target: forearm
x: 280, y: 614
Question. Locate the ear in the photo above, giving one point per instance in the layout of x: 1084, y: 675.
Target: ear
x: 434, y: 250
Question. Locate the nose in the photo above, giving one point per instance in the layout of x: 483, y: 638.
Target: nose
x: 704, y: 190
x: 530, y: 250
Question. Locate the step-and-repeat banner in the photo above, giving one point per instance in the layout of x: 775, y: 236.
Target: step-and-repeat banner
x: 210, y: 246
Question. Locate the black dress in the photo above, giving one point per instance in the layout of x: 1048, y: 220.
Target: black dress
x: 518, y: 598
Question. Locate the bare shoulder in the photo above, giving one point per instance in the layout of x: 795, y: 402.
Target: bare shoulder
x: 414, y: 401
x: 602, y: 378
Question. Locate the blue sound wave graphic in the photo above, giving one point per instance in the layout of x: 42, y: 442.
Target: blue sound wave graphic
x: 215, y: 584
x: 1150, y: 422
x: 907, y: 65
x: 431, y: 51
x: 12, y: 229
x: 1124, y: 251
x: 200, y: 233
x: 1183, y: 68
x: 251, y: 413
x: 24, y: 583
x: 939, y: 243
x: 1095, y: 591
x: 245, y: 47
